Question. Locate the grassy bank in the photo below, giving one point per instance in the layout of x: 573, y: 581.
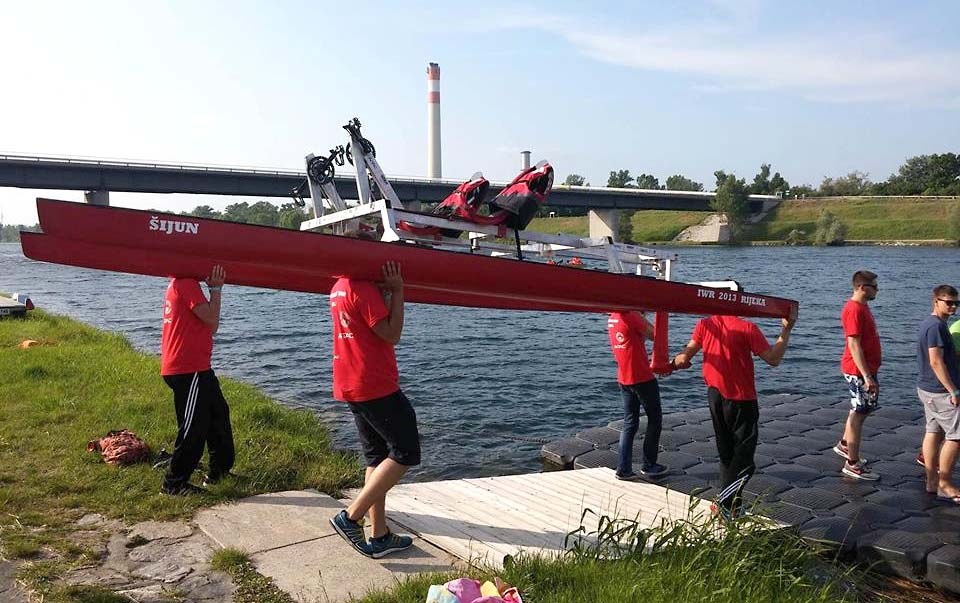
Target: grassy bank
x: 651, y: 225
x: 866, y: 218
x: 80, y: 383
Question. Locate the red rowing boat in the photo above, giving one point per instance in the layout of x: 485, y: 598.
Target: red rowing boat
x: 160, y: 244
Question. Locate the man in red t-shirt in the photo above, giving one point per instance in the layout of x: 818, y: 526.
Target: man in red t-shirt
x: 859, y: 365
x: 628, y: 332
x: 729, y: 344
x: 203, y: 417
x: 365, y: 329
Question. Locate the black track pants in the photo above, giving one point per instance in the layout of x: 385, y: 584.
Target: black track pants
x: 735, y: 423
x: 203, y: 418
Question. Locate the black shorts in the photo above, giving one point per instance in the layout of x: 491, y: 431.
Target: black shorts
x: 388, y: 428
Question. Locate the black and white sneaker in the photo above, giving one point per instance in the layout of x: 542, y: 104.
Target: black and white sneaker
x: 654, y: 470
x: 186, y: 489
x: 212, y: 479
x: 627, y: 477
x: 163, y: 459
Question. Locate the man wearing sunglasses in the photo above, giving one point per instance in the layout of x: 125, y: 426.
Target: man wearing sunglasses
x: 938, y: 386
x: 859, y: 365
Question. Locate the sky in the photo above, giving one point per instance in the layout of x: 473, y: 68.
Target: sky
x: 814, y: 88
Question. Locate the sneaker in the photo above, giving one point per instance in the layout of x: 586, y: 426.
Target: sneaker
x: 389, y: 543
x: 163, y: 459
x: 859, y: 471
x: 351, y: 531
x: 627, y: 477
x: 215, y: 478
x: 183, y: 490
x: 841, y: 449
x: 654, y: 470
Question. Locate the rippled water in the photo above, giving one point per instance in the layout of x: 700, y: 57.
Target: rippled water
x: 488, y: 384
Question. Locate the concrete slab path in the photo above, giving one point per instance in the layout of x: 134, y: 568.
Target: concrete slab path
x: 289, y: 537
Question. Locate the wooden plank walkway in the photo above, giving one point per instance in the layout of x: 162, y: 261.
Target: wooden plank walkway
x: 486, y: 519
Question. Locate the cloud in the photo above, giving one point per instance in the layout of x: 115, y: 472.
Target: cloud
x: 729, y: 52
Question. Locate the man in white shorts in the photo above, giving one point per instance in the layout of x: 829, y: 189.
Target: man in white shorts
x: 938, y: 386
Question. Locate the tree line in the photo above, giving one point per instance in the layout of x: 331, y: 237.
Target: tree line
x: 10, y: 233
x: 264, y: 213
x: 931, y: 175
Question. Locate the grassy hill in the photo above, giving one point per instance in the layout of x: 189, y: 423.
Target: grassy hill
x: 866, y: 218
x: 870, y: 218
x: 648, y: 225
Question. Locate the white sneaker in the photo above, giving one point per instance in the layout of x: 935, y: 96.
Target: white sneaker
x: 860, y: 471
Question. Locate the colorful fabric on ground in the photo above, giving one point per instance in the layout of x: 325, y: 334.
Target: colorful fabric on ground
x: 438, y: 593
x: 364, y: 365
x: 729, y: 344
x: 857, y: 321
x: 627, y: 332
x: 465, y: 589
x: 186, y: 343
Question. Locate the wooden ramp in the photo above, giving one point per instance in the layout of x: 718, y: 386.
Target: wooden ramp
x: 486, y: 519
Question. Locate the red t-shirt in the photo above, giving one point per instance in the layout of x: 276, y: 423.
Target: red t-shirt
x: 364, y: 365
x: 729, y: 344
x: 857, y: 320
x: 627, y: 336
x: 186, y: 343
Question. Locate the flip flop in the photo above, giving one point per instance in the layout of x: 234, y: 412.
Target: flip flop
x: 947, y: 498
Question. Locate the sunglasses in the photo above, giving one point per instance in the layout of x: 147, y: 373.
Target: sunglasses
x: 874, y: 287
x: 950, y: 302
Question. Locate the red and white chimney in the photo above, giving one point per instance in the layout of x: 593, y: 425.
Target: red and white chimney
x: 433, y: 121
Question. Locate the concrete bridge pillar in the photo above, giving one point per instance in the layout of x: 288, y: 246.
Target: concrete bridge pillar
x: 604, y: 222
x: 97, y: 197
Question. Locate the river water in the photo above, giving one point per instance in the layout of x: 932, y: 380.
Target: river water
x: 489, y: 385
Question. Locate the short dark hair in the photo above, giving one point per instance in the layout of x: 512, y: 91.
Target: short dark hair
x: 944, y: 290
x: 863, y: 277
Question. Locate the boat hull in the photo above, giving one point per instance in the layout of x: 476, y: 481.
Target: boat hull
x: 262, y: 256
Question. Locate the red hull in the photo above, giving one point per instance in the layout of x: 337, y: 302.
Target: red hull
x: 142, y: 242
x: 46, y: 248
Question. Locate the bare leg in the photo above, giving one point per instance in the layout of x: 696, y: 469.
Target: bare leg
x: 383, y: 477
x: 948, y: 457
x: 852, y: 433
x: 378, y: 511
x: 931, y: 458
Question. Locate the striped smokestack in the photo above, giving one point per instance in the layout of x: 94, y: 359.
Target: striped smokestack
x: 433, y: 121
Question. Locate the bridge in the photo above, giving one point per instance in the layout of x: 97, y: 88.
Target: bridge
x: 98, y: 177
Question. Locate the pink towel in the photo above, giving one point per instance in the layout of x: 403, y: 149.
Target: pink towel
x: 465, y: 589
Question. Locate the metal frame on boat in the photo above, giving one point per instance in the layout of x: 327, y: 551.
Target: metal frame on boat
x: 380, y: 217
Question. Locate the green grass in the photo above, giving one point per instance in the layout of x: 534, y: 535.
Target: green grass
x: 684, y: 561
x: 251, y: 587
x: 572, y: 225
x: 651, y: 225
x: 866, y: 218
x: 655, y: 225
x: 80, y: 383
